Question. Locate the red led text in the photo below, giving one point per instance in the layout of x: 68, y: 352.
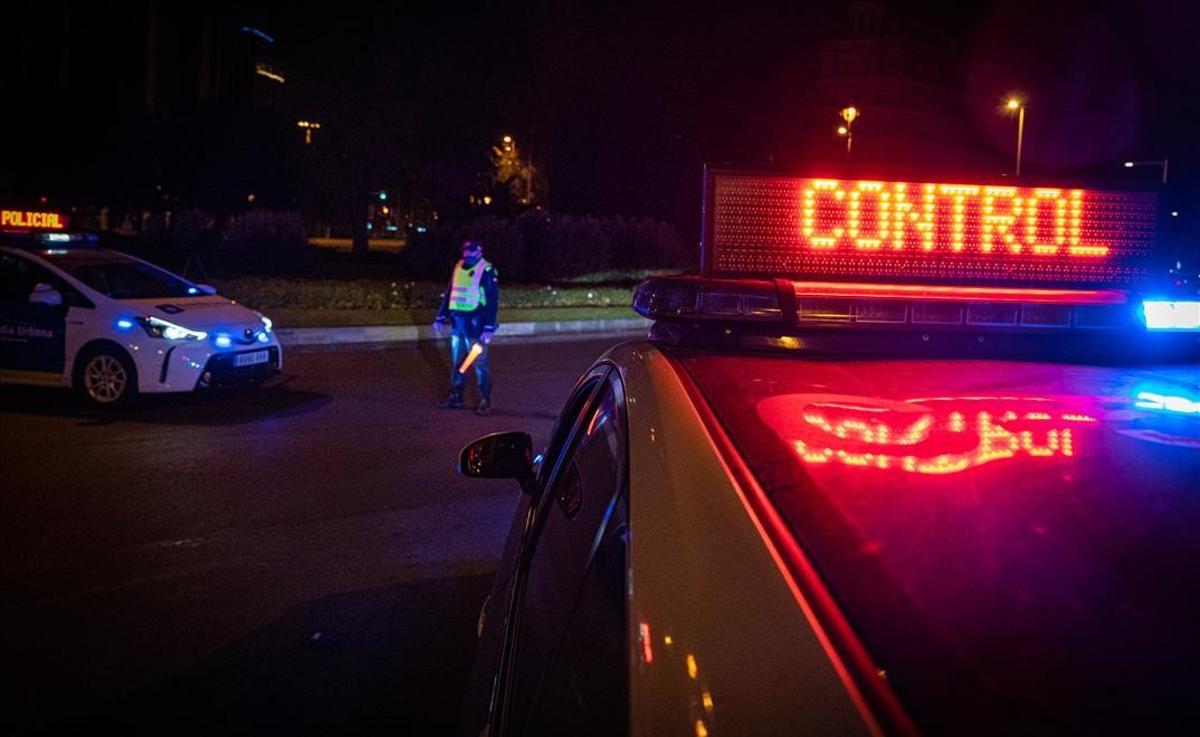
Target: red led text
x: 871, y: 216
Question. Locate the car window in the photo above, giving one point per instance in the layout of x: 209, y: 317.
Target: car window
x: 574, y: 514
x: 12, y: 279
x: 18, y: 276
x: 566, y: 423
x: 586, y: 689
x: 491, y: 646
x: 125, y: 278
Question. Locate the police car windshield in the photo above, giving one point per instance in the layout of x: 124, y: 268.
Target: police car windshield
x: 119, y: 277
x: 1013, y: 541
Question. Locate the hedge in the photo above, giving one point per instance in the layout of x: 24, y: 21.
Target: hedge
x: 545, y: 247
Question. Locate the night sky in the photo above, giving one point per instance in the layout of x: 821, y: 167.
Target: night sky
x: 617, y: 104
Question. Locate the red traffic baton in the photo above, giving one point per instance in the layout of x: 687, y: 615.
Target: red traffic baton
x: 470, y: 359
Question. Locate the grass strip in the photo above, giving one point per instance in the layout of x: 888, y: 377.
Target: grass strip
x: 293, y: 317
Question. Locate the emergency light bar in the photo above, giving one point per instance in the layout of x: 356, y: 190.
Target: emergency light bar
x: 927, y: 232
x: 886, y: 306
x: 783, y: 303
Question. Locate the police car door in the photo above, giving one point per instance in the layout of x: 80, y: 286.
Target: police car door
x: 568, y: 668
x: 33, y: 316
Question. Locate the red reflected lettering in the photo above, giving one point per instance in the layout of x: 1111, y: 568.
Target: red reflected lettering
x: 928, y: 436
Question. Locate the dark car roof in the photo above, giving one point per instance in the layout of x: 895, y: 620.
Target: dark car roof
x: 1016, y: 543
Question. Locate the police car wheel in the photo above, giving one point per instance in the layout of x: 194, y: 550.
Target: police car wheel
x: 106, y: 378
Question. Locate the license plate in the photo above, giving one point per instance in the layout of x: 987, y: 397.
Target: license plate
x: 252, y: 359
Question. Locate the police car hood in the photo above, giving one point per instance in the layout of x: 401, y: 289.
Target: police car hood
x: 198, y: 312
x: 998, y: 532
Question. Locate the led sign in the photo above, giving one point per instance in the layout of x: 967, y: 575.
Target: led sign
x: 849, y: 228
x: 27, y: 219
x: 927, y: 436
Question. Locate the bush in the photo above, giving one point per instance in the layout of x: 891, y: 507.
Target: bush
x: 265, y: 241
x: 539, y: 246
x: 270, y: 292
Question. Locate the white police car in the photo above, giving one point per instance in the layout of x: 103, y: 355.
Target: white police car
x: 113, y: 326
x: 871, y: 473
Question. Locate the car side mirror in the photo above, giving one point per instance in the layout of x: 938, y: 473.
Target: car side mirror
x: 502, y: 455
x: 206, y: 289
x: 44, y: 294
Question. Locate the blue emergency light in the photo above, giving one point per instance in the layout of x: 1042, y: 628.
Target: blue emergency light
x: 1162, y: 314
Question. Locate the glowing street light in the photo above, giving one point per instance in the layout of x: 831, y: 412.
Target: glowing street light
x: 308, y: 126
x: 1015, y: 105
x: 1162, y: 164
x: 266, y: 70
x: 849, y: 114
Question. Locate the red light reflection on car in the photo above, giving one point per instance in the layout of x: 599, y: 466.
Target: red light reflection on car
x: 647, y: 645
x: 938, y: 435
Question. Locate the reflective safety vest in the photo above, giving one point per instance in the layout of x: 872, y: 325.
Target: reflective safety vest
x: 465, y: 294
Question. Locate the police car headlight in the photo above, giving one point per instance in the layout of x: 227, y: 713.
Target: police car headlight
x: 156, y: 327
x: 267, y: 324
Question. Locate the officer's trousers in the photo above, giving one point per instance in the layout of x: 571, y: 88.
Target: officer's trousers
x: 465, y: 331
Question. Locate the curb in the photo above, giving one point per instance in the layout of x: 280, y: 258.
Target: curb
x: 416, y: 333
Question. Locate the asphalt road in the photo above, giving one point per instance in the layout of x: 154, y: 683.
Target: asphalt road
x: 296, y: 559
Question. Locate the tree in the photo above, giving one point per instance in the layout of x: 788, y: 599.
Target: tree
x: 513, y: 173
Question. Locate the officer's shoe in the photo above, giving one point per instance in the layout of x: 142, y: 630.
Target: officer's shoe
x: 485, y: 408
x: 453, y: 401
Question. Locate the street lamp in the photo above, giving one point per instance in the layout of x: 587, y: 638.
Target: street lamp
x: 849, y: 114
x: 1015, y: 105
x: 308, y: 126
x: 1162, y: 164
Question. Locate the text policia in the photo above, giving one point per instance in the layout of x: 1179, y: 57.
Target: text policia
x: 769, y: 224
x: 33, y: 220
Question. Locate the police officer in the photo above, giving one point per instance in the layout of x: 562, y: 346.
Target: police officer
x: 469, y: 311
